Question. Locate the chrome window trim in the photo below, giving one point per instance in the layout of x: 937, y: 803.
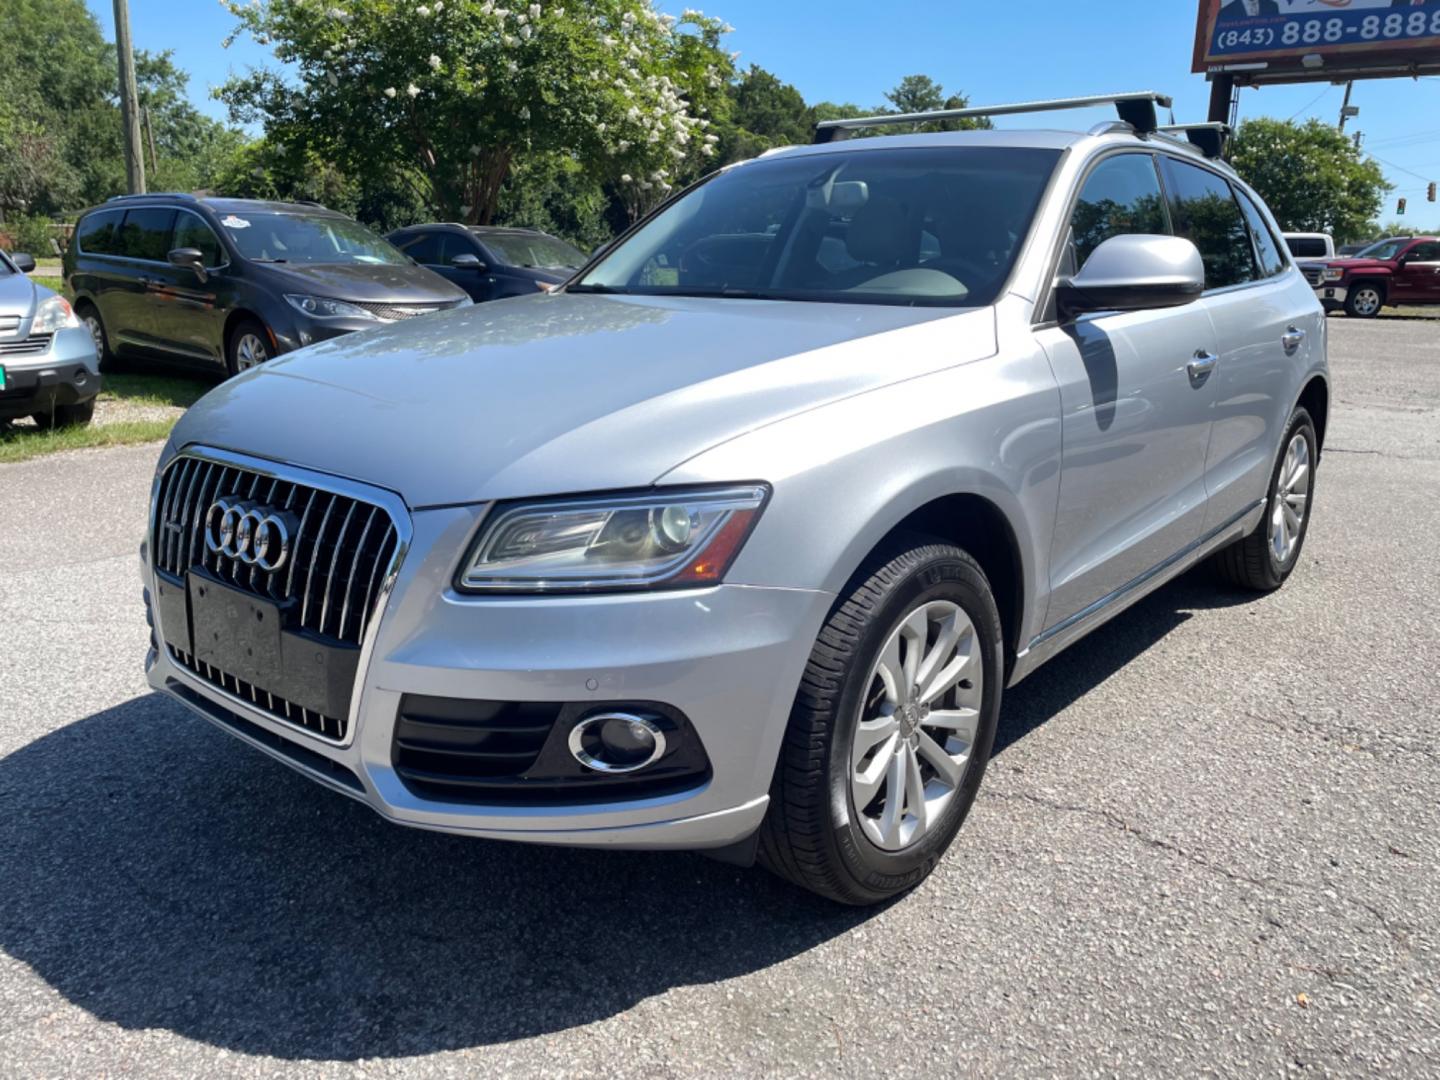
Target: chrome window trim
x: 387, y: 500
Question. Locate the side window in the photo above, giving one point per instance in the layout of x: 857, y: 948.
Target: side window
x: 425, y: 248
x: 1205, y: 212
x: 1426, y: 253
x: 191, y: 232
x: 1122, y: 195
x: 96, y: 234
x: 146, y: 234
x: 1267, y: 251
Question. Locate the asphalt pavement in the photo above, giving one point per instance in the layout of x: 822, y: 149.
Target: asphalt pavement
x: 1208, y: 843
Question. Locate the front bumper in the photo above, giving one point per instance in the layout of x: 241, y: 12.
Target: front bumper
x: 65, y: 373
x: 729, y: 658
x: 1332, y: 293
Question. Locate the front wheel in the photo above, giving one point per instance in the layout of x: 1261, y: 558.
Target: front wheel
x: 892, y: 728
x: 1364, y: 301
x: 78, y: 414
x: 249, y: 347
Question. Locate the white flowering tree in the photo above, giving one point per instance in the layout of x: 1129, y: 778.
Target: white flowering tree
x: 459, y: 91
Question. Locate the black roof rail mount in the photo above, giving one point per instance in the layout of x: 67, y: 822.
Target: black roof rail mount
x: 1211, y: 139
x: 1139, y: 109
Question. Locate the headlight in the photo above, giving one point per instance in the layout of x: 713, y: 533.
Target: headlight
x: 1332, y: 274
x: 52, y: 315
x: 321, y: 307
x: 667, y: 540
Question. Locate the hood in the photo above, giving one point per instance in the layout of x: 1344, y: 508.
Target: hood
x: 18, y: 297
x: 1356, y: 264
x: 404, y: 283
x: 560, y: 393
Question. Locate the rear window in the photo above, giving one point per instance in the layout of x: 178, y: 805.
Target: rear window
x: 145, y: 234
x: 1306, y: 247
x: 95, y: 235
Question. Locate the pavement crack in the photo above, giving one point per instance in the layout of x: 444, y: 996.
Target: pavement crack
x: 1158, y: 843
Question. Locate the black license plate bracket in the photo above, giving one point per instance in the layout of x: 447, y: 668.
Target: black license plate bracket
x: 236, y: 631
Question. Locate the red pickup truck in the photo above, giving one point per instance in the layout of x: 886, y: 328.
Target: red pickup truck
x: 1400, y: 270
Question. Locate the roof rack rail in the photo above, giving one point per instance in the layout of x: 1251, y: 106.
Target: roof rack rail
x: 155, y: 195
x: 1210, y: 139
x: 1138, y: 109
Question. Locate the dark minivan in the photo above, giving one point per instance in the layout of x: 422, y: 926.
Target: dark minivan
x: 488, y: 262
x: 234, y: 282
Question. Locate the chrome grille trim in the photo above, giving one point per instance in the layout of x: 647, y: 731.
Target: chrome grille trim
x: 193, y: 480
x: 1315, y: 277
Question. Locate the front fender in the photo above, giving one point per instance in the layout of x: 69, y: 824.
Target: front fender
x: 846, y: 475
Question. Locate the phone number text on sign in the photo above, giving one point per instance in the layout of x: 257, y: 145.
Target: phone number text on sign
x: 1351, y: 27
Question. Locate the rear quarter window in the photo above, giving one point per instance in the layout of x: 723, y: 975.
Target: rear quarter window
x: 95, y: 235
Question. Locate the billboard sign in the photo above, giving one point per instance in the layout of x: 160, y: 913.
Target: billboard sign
x: 1310, y: 38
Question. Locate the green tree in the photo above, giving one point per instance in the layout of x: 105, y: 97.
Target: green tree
x: 920, y: 93
x: 764, y: 113
x: 463, y: 92
x: 1311, y: 176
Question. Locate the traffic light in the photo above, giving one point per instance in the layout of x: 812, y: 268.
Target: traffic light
x: 1400, y: 208
x: 1431, y: 193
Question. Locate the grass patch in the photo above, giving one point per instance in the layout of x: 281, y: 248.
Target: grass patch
x: 124, y: 415
x: 58, y: 284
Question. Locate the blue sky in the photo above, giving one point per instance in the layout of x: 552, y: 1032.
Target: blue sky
x: 842, y: 50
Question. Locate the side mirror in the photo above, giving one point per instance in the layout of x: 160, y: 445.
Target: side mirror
x: 189, y: 259
x: 469, y: 262
x: 1134, y: 273
x: 24, y: 263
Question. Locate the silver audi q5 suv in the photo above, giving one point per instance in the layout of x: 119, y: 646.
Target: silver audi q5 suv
x: 733, y: 542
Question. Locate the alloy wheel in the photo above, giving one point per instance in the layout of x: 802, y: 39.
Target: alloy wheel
x: 917, y: 725
x: 249, y: 352
x: 1367, y: 301
x: 97, y: 333
x: 1291, y: 500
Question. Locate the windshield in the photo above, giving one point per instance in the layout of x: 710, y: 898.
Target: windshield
x: 932, y: 226
x: 535, y: 252
x: 306, y: 238
x: 1384, y: 249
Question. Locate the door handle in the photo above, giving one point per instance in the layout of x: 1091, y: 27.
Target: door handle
x: 1292, y: 339
x: 1201, y: 366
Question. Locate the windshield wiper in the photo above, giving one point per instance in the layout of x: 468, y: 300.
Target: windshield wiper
x: 604, y: 290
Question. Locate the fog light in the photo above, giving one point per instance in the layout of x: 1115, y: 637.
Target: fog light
x: 616, y: 742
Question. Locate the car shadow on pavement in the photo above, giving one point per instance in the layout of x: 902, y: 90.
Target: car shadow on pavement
x: 159, y: 875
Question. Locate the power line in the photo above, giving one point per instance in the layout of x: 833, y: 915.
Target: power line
x: 1306, y: 108
x: 1401, y: 168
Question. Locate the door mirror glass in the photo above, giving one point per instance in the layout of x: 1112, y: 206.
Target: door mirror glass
x: 1134, y: 272
x: 468, y: 262
x: 189, y: 258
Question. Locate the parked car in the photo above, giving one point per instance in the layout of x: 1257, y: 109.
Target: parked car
x: 231, y: 283
x: 490, y: 263
x: 1311, y: 245
x: 1402, y: 270
x: 733, y: 541
x: 48, y: 366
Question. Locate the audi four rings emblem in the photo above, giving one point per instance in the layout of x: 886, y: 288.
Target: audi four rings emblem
x: 257, y: 535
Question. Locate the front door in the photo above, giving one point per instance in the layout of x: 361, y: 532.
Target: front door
x: 1417, y: 281
x: 1136, y: 412
x: 184, y: 320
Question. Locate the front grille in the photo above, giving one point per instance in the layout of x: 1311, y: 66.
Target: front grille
x: 329, y: 586
x: 9, y: 324
x: 396, y: 312
x: 1314, y: 277
x: 36, y: 343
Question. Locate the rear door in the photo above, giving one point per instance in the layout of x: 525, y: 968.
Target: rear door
x: 144, y: 241
x: 1417, y: 281
x: 1267, y: 321
x: 1135, y: 420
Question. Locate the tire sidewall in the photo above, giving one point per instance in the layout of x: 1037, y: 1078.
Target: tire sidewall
x: 1350, y: 300
x: 942, y: 576
x: 232, y: 362
x: 1300, y: 423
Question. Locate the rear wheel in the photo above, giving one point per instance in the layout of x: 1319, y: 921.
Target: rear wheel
x: 1264, y: 559
x: 249, y: 347
x: 890, y: 733
x: 1365, y: 300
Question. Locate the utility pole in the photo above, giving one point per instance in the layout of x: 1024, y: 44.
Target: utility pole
x: 129, y: 101
x: 1345, y: 111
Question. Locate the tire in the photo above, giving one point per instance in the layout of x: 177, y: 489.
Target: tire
x: 814, y: 833
x: 248, y: 346
x: 90, y: 316
x: 64, y: 416
x: 1260, y: 561
x: 1365, y: 300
